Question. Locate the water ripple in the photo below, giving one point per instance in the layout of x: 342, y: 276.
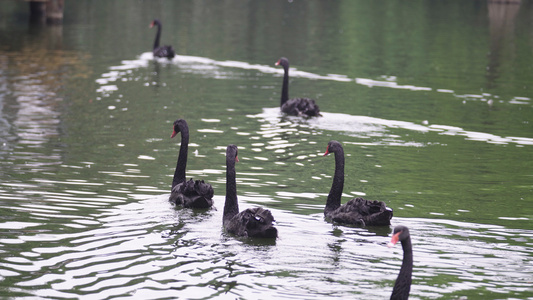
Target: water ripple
x: 277, y: 124
x: 224, y: 70
x: 133, y: 248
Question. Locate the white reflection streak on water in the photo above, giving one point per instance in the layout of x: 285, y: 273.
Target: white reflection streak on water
x: 35, y: 117
x: 213, y: 68
x: 148, y: 248
x: 364, y: 127
x: 354, y: 125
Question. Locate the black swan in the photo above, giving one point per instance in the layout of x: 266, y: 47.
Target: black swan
x: 402, y: 286
x: 357, y: 211
x: 296, y: 106
x: 252, y: 222
x: 161, y: 51
x: 192, y: 193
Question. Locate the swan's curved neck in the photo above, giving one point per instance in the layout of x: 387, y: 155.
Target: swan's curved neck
x: 179, y: 173
x: 334, y: 197
x: 231, y: 206
x: 158, y: 35
x: 403, y: 282
x: 285, y: 87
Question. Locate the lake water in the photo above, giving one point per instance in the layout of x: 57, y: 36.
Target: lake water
x: 432, y: 101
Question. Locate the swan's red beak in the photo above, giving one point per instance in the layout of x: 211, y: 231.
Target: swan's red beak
x: 395, y: 238
x: 173, y: 134
x: 152, y: 24
x: 236, y: 159
x: 327, y: 151
x: 277, y: 63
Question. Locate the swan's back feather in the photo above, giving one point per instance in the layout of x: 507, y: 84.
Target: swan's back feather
x: 164, y: 51
x: 252, y: 222
x: 362, y: 212
x: 301, y: 107
x: 193, y: 194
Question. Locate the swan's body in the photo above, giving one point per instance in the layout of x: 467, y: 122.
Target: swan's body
x: 296, y: 106
x: 161, y: 51
x: 192, y: 193
x: 402, y: 286
x: 251, y: 222
x: 357, y: 211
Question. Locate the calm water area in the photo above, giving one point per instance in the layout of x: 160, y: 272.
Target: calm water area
x: 432, y: 100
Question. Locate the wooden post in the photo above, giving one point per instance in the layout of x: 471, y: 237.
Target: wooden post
x: 54, y: 11
x: 50, y: 11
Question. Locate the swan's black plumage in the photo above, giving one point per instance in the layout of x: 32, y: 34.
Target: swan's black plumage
x: 357, y: 211
x: 251, y: 222
x: 402, y: 286
x: 296, y: 106
x: 192, y: 193
x: 161, y: 51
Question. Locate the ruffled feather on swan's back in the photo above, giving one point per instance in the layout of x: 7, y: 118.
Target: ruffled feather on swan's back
x: 301, y: 107
x: 193, y: 194
x: 359, y: 211
x: 253, y: 222
x: 164, y: 51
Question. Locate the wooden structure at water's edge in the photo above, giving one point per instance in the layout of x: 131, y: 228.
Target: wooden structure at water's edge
x: 50, y: 11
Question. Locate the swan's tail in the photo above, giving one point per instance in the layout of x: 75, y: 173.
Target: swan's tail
x: 260, y: 223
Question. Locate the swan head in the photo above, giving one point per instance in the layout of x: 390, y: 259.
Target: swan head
x: 179, y: 126
x: 154, y: 23
x: 232, y: 152
x: 283, y: 62
x: 333, y: 146
x: 400, y: 233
